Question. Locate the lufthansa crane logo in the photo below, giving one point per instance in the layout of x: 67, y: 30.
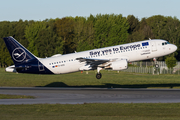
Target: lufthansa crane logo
x: 18, y: 54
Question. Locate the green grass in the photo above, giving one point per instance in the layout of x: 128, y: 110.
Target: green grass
x: 2, y: 96
x: 78, y: 79
x: 158, y: 111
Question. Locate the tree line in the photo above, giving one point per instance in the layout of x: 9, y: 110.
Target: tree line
x: 69, y: 34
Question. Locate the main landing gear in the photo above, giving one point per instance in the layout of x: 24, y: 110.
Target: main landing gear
x: 98, y: 75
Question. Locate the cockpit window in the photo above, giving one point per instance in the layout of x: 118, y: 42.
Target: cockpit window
x: 165, y: 43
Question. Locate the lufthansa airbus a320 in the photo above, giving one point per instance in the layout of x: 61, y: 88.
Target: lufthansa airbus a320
x: 114, y: 57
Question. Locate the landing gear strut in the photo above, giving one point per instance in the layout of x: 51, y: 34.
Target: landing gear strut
x: 98, y: 75
x: 156, y: 69
x: 155, y: 62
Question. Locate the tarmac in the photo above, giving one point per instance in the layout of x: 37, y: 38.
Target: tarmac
x: 66, y: 95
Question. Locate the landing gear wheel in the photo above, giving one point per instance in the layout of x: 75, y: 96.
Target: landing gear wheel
x: 98, y: 75
x: 156, y: 66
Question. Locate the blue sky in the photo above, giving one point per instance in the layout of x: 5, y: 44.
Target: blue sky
x: 13, y: 10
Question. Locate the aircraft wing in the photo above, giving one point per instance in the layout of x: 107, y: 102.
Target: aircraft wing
x: 93, y: 62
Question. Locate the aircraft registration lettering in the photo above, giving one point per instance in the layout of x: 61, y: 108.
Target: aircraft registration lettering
x: 58, y: 66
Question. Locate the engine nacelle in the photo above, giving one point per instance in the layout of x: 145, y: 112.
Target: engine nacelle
x: 119, y: 65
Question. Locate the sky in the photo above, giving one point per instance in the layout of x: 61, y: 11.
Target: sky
x: 38, y: 10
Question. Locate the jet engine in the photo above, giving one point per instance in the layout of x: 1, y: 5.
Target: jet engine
x: 119, y: 65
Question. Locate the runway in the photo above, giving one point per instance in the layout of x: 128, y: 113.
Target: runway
x: 89, y: 95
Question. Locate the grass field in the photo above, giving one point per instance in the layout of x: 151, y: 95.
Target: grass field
x: 78, y: 79
x: 91, y: 112
x: 2, y: 96
x: 154, y: 111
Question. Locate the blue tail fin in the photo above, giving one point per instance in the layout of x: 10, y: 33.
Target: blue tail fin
x: 18, y: 52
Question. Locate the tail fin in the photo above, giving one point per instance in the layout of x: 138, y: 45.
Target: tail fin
x: 18, y: 52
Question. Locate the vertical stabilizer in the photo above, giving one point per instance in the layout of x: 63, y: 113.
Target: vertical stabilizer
x: 18, y: 52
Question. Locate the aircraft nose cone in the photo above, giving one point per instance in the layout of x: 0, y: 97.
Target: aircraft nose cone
x: 174, y: 48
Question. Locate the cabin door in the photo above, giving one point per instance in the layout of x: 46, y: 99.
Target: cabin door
x: 153, y: 46
x: 41, y: 66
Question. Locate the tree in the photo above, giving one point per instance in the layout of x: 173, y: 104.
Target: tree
x: 157, y: 24
x: 110, y: 30
x: 136, y: 31
x: 79, y: 31
x: 48, y: 42
x: 134, y: 24
x: 31, y: 33
x: 136, y: 36
x: 19, y: 32
x: 172, y: 33
x: 84, y: 33
x: 7, y: 29
x: 170, y: 62
x: 65, y: 30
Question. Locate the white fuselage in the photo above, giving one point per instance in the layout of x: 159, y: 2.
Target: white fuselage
x: 132, y: 52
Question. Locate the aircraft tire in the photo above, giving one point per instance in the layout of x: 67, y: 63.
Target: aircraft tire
x: 98, y: 75
x: 157, y: 66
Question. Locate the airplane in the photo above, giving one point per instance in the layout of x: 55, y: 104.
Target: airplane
x: 113, y: 57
